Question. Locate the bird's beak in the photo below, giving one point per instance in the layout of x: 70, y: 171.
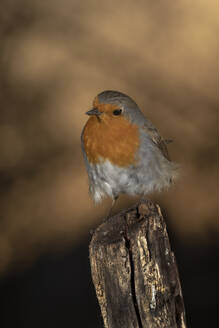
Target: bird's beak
x: 94, y: 111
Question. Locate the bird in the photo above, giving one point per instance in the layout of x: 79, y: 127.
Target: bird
x: 123, y: 151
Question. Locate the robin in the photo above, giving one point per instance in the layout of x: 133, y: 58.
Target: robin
x: 123, y: 151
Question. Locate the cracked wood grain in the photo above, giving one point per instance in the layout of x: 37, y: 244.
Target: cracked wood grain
x: 134, y: 271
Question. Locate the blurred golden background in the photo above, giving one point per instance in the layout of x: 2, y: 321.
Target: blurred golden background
x: 55, y: 58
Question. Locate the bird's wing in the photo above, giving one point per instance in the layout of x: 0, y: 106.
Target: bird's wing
x: 156, y: 138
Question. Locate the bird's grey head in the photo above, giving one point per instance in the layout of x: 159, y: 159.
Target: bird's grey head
x: 125, y: 103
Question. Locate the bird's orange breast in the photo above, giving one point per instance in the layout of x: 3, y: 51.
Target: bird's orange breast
x: 112, y: 138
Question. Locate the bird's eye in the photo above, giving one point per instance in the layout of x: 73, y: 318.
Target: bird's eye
x: 117, y: 112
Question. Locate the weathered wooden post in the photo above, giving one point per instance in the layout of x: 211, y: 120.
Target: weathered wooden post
x: 134, y: 271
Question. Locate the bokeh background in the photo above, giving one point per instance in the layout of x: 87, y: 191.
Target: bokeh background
x: 56, y: 56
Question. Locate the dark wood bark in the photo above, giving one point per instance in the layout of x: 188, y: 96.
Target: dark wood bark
x: 134, y: 271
